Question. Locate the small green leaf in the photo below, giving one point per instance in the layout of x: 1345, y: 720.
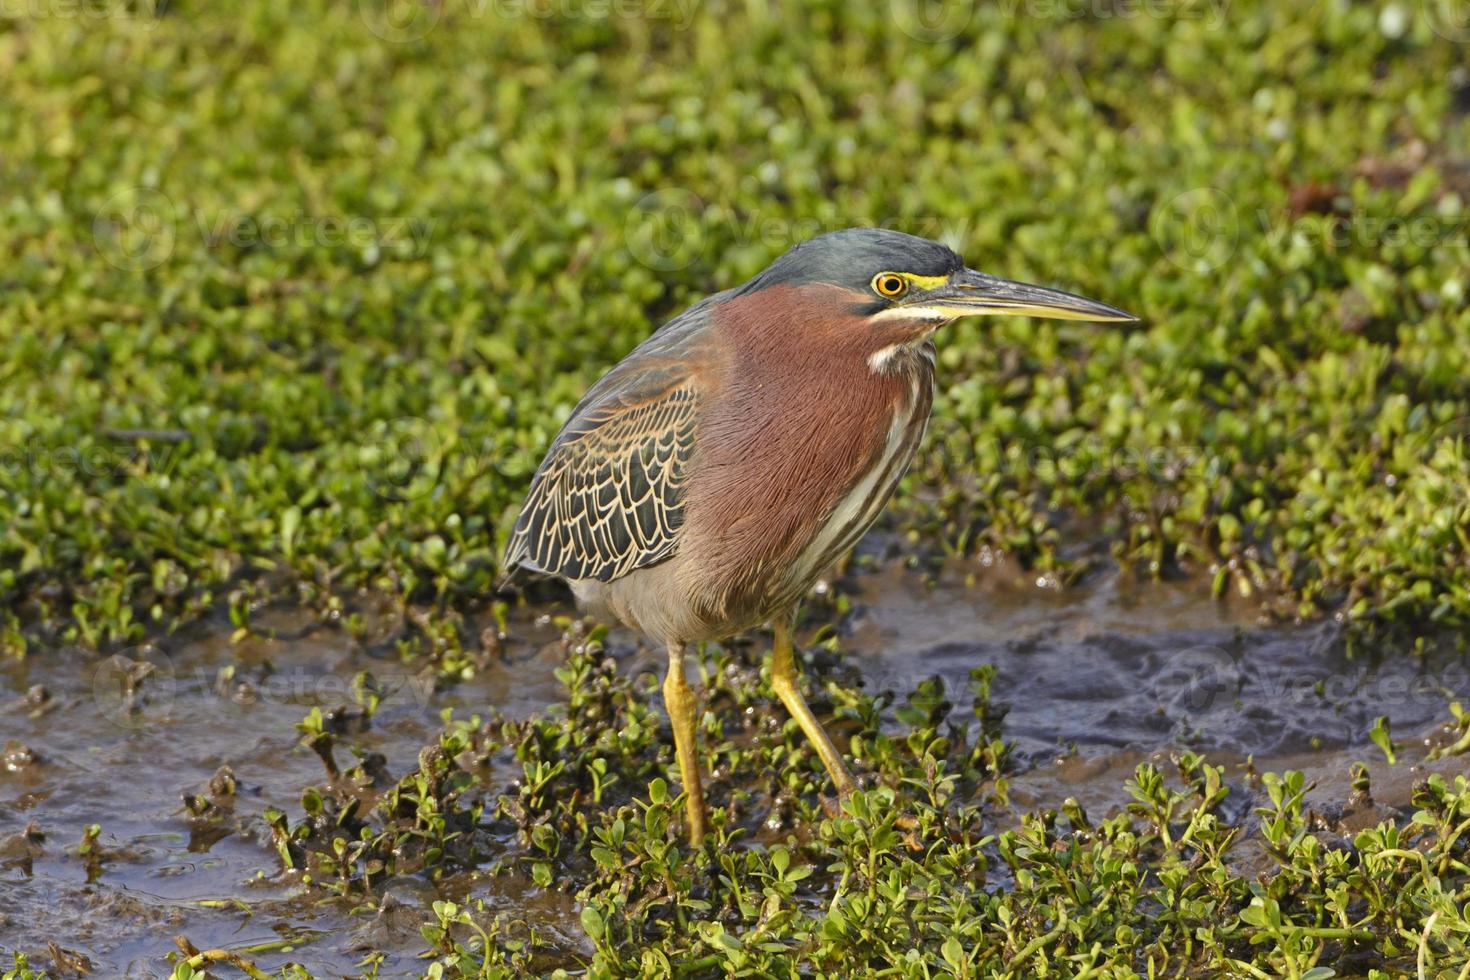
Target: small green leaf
x: 593, y: 923
x: 1379, y: 735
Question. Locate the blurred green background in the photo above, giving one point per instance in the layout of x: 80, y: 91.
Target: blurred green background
x: 300, y: 291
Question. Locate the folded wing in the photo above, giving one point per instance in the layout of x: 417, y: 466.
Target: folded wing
x: 609, y: 497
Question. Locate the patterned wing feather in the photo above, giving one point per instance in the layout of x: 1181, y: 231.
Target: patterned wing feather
x: 609, y: 497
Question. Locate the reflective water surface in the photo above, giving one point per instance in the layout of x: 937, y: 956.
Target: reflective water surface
x: 1097, y: 678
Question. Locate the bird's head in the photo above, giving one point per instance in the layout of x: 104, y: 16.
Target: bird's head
x: 900, y: 288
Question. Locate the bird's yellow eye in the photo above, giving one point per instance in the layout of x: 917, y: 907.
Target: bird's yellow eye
x: 889, y: 284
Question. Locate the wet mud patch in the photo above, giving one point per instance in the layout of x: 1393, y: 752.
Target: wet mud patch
x: 1113, y: 665
x: 177, y: 750
x: 136, y: 743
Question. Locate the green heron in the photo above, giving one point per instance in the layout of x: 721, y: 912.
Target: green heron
x: 706, y: 481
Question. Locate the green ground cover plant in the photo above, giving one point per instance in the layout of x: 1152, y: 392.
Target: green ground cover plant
x: 284, y: 299
x: 294, y: 296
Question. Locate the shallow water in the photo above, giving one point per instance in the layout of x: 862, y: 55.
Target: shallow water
x: 1097, y: 677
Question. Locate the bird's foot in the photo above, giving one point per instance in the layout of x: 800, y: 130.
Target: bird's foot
x: 831, y: 805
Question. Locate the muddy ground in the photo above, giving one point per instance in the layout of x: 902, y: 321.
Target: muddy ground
x: 1097, y: 678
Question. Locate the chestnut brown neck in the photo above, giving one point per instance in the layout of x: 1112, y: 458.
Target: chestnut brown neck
x: 799, y: 417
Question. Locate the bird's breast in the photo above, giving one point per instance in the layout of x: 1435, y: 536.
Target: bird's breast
x: 858, y: 508
x: 792, y: 472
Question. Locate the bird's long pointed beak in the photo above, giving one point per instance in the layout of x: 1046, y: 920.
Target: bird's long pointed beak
x: 971, y: 293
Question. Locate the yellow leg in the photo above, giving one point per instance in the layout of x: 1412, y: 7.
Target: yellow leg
x: 787, y: 683
x: 679, y: 699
